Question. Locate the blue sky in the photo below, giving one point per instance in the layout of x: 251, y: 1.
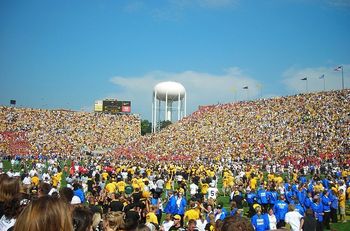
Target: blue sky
x: 69, y: 53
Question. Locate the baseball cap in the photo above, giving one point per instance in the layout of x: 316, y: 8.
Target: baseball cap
x: 219, y: 206
x: 177, y: 217
x: 75, y: 200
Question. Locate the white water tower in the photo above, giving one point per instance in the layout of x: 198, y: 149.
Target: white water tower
x: 165, y: 94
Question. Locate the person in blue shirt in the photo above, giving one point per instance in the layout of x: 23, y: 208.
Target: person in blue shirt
x: 289, y: 195
x: 280, y: 209
x: 326, y: 202
x: 317, y: 208
x: 78, y: 191
x: 301, y: 194
x: 334, y: 206
x: 260, y: 221
x: 302, y: 179
x: 272, y: 196
x: 171, y: 205
x: 308, y: 200
x: 220, y: 213
x: 251, y: 199
x: 299, y: 207
x: 263, y: 198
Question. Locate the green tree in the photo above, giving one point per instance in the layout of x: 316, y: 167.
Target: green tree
x: 146, y: 127
x: 164, y: 124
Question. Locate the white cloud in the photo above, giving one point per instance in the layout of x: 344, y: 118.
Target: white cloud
x: 292, y: 79
x: 202, y: 88
x: 134, y: 6
x: 339, y: 3
x: 174, y: 10
x: 217, y: 3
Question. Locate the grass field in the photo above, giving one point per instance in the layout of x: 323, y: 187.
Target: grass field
x: 223, y: 199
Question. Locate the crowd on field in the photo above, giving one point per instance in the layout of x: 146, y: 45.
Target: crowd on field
x: 109, y: 194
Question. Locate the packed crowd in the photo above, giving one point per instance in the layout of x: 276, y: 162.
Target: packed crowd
x: 68, y: 132
x: 289, y: 129
x: 282, y: 162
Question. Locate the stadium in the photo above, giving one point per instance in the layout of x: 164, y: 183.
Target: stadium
x: 174, y: 115
x: 293, y: 146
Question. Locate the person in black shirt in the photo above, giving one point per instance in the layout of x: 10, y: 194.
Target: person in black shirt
x: 115, y: 204
x: 310, y: 222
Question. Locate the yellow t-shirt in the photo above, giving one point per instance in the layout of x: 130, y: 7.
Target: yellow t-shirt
x: 168, y: 185
x: 151, y: 217
x: 55, y: 181
x: 191, y: 214
x: 104, y: 175
x: 204, y: 188
x: 111, y: 187
x: 121, y: 186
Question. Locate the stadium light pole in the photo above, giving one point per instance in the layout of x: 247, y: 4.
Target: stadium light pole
x: 305, y: 79
x: 324, y: 81
x: 338, y: 68
x: 246, y: 88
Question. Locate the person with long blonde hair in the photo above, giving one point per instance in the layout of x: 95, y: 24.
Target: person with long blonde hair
x: 45, y: 213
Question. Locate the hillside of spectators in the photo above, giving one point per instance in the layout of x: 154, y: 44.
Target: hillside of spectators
x: 66, y: 132
x: 304, y: 127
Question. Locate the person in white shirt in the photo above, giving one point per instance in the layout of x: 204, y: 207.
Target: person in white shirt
x: 202, y: 222
x: 294, y: 218
x: 272, y: 219
x: 193, y: 189
x: 167, y: 223
x: 212, y: 191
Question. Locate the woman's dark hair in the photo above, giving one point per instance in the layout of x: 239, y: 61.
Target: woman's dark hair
x: 82, y: 218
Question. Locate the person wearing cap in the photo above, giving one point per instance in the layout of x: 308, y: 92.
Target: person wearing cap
x: 177, y: 224
x: 260, y: 221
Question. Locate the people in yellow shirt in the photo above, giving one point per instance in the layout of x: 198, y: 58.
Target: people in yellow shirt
x: 121, y: 186
x: 192, y: 213
x: 111, y: 187
x: 104, y: 175
x: 35, y: 180
x: 342, y: 205
x: 54, y: 180
x: 204, y: 188
x: 151, y: 216
x: 253, y: 183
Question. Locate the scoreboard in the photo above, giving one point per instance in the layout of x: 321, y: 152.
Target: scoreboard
x: 113, y: 106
